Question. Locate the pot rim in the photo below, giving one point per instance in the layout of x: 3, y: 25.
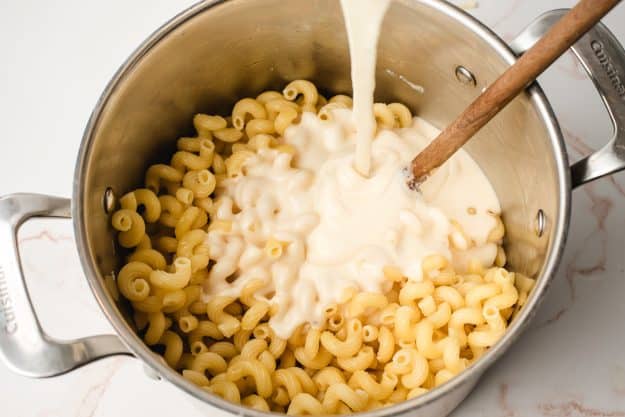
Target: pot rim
x: 470, y: 375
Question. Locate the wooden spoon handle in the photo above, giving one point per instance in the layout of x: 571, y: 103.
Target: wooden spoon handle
x: 562, y: 35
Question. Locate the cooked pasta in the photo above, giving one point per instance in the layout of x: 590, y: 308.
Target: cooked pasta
x: 131, y: 227
x: 401, y: 113
x: 145, y: 198
x: 205, y: 124
x: 173, y: 280
x: 383, y: 116
x: 245, y: 107
x: 151, y: 257
x: 369, y: 350
x: 307, y: 89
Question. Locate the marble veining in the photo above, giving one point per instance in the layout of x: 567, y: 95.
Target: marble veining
x: 569, y: 363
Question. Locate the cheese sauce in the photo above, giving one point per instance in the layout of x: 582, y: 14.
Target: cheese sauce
x: 339, y: 228
x: 363, y: 19
x: 341, y: 207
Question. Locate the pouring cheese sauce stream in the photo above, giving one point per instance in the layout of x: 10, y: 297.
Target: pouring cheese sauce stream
x: 363, y: 20
x: 341, y: 206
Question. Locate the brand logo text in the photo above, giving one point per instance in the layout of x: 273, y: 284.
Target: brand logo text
x: 6, y: 306
x: 608, y: 66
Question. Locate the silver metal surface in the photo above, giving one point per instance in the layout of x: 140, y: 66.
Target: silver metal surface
x: 465, y: 76
x: 108, y: 201
x: 176, y: 72
x: 540, y: 223
x: 603, y: 58
x: 218, y: 51
x: 24, y: 346
x: 151, y: 373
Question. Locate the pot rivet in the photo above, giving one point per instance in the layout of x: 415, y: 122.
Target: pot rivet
x: 540, y: 222
x: 108, y: 200
x: 465, y: 76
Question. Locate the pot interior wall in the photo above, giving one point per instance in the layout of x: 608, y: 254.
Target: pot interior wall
x: 241, y: 47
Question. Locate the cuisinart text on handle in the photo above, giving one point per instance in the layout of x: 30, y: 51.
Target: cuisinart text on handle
x: 608, y: 66
x: 6, y: 307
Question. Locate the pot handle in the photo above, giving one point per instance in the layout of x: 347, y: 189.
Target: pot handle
x: 24, y: 346
x: 603, y: 58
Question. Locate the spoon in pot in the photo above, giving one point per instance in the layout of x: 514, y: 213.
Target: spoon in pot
x: 562, y: 35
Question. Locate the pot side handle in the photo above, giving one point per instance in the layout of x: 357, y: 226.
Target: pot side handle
x: 24, y: 346
x: 603, y: 58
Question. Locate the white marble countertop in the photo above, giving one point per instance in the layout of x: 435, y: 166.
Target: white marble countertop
x: 56, y: 57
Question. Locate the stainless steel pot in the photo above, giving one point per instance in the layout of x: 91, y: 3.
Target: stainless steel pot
x: 217, y: 51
